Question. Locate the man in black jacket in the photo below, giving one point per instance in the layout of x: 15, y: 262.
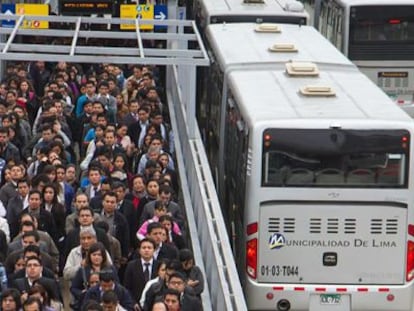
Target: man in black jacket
x: 188, y: 300
x: 139, y: 271
x: 118, y: 225
x: 34, y: 270
x: 126, y: 207
x: 155, y: 231
x: 85, y: 218
x: 107, y: 283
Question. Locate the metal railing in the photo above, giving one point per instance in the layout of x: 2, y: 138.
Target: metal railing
x: 221, y: 273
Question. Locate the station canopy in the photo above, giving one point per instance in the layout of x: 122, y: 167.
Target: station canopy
x: 100, y: 40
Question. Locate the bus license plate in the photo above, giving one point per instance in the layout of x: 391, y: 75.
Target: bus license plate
x: 330, y: 299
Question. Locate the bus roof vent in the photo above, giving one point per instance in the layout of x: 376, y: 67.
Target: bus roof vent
x: 283, y: 47
x: 253, y: 1
x: 268, y: 27
x: 294, y: 6
x: 302, y: 69
x: 317, y: 90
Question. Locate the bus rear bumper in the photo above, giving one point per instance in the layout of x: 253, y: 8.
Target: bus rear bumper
x: 333, y: 297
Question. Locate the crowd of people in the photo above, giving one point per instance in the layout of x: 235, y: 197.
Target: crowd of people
x: 89, y: 192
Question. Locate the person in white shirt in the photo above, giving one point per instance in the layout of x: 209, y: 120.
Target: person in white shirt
x: 4, y: 226
x: 161, y: 272
x: 77, y: 255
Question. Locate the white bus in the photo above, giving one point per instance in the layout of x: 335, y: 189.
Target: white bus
x: 314, y: 172
x: 206, y: 12
x: 377, y: 35
x: 259, y: 11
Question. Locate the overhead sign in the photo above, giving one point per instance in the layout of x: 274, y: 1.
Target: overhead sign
x: 85, y: 7
x: 26, y: 9
x: 160, y: 13
x: 33, y: 9
x: 128, y: 11
x: 8, y: 9
x: 142, y: 12
x: 182, y: 12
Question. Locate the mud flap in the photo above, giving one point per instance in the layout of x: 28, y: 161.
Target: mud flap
x: 330, y: 302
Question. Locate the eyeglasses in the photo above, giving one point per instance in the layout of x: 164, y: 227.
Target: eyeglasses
x: 176, y: 283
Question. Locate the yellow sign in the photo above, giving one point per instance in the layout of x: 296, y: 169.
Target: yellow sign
x: 33, y: 9
x: 142, y: 12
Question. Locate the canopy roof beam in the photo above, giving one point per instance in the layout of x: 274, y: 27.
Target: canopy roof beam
x: 87, y: 39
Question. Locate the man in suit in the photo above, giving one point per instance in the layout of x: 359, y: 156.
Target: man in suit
x: 139, y: 271
x: 155, y: 231
x: 94, y: 177
x: 16, y: 205
x: 126, y: 207
x: 132, y: 116
x: 111, y: 146
x: 34, y: 270
x: 8, y: 150
x: 118, y: 225
x: 107, y: 100
x: 66, y: 192
x: 96, y: 202
x: 138, y: 129
x: 8, y: 191
x: 44, y: 218
x: 166, y: 132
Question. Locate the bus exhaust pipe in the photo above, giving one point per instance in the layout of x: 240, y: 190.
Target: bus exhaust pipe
x: 283, y: 305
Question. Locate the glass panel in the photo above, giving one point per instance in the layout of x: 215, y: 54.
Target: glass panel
x: 335, y: 158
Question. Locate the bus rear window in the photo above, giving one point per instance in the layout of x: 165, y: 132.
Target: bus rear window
x: 335, y: 158
x: 381, y: 23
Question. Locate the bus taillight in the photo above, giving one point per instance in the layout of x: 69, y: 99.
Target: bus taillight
x: 410, y: 261
x: 411, y: 230
x: 251, y: 258
x: 252, y: 228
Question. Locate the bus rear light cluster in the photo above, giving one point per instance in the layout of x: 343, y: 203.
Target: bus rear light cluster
x: 251, y: 258
x: 252, y: 228
x: 410, y: 261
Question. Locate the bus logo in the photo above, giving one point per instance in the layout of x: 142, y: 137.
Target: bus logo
x: 276, y: 241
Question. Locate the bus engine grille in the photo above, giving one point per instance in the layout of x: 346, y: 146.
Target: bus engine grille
x: 332, y: 225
